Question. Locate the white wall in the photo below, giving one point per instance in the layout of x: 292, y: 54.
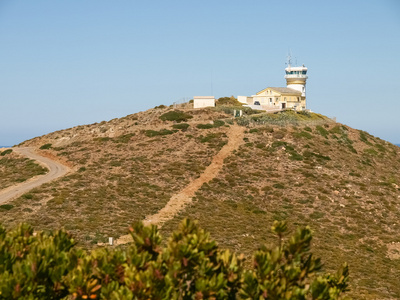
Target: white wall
x: 199, y: 102
x: 242, y: 99
x: 298, y: 87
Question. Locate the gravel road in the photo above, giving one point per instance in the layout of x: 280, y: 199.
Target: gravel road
x: 56, y: 170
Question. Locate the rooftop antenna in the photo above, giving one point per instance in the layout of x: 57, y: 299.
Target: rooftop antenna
x: 289, y: 59
x: 212, y: 92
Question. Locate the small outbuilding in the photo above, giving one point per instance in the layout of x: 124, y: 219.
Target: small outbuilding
x: 203, y: 101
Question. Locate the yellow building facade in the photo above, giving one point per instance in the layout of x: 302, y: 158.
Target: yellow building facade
x: 280, y: 98
x: 293, y: 96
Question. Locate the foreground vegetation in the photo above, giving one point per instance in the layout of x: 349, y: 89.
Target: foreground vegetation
x: 190, y: 266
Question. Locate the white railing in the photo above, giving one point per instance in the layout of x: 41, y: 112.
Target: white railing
x: 296, y: 76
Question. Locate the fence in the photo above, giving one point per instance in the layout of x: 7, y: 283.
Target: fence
x: 281, y: 120
x: 182, y: 103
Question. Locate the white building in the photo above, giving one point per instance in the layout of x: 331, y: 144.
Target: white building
x: 276, y: 98
x: 203, y: 101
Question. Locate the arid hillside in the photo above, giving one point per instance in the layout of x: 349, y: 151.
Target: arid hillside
x: 300, y: 167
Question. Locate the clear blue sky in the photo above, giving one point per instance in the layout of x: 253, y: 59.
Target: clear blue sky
x: 71, y: 62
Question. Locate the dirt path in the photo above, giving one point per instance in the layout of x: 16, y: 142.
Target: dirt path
x: 55, y: 170
x: 184, y: 197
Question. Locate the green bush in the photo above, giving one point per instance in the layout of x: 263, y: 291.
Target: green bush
x: 228, y: 101
x: 205, y: 126
x: 293, y: 155
x: 6, y: 206
x: 337, y: 129
x: 181, y: 126
x: 302, y: 134
x: 278, y: 186
x: 309, y: 154
x: 189, y: 266
x: 102, y: 139
x: 218, y: 123
x: 125, y: 138
x: 5, y: 152
x: 45, y: 146
x: 364, y: 137
x: 176, y: 115
x: 307, y: 129
x: 152, y: 133
x: 322, y: 131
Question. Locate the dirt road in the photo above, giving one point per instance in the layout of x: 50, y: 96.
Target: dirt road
x: 184, y: 197
x: 55, y: 170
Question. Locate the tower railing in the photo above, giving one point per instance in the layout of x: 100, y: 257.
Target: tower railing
x: 296, y: 76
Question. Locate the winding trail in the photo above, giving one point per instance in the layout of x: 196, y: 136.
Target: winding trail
x: 56, y: 170
x: 185, y: 196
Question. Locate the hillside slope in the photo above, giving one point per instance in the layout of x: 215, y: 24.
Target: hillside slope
x: 299, y: 167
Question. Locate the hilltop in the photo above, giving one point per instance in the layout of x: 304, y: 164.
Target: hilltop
x: 295, y: 166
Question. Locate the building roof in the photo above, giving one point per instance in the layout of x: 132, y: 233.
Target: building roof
x: 203, y: 97
x: 282, y: 90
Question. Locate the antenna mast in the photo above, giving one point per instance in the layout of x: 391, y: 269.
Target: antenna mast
x: 289, y: 59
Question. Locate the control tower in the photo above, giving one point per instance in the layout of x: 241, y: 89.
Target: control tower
x: 296, y: 77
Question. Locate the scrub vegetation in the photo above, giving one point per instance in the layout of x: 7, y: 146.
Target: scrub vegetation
x: 302, y: 168
x: 15, y: 169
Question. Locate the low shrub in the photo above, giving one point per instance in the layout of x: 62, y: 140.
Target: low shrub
x: 364, y: 137
x: 123, y: 138
x: 337, y: 129
x: 218, y: 123
x: 307, y: 129
x: 205, y: 126
x: 303, y: 134
x: 152, y: 133
x: 293, y: 155
x: 228, y: 101
x: 181, y: 126
x: 322, y: 131
x: 6, y: 206
x: 176, y: 115
x: 308, y: 154
x: 27, y: 196
x: 45, y: 146
x: 102, y: 139
x: 5, y: 152
x: 278, y: 186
